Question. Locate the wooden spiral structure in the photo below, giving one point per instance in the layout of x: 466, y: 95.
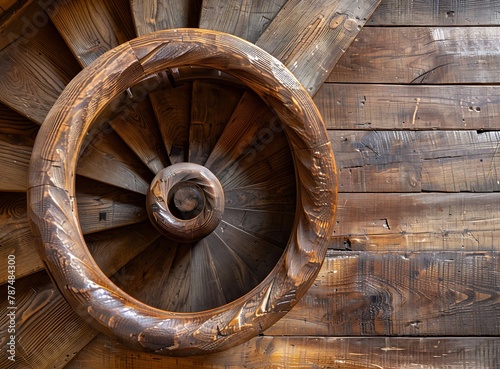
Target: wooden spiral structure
x: 185, y: 201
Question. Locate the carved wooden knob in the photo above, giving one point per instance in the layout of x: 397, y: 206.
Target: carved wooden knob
x: 185, y: 202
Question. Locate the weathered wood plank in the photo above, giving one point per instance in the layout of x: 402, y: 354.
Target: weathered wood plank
x: 436, y: 13
x: 37, y: 67
x: 415, y: 161
x: 313, y: 35
x: 42, y: 341
x: 245, y: 18
x: 123, y: 167
x: 155, y: 15
x: 92, y: 27
x: 421, y: 55
x: 15, y: 236
x: 309, y: 353
x: 409, y: 107
x: 400, y: 293
x: 458, y: 220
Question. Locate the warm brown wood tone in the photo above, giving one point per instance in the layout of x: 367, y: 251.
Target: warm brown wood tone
x: 92, y: 27
x: 421, y: 55
x: 309, y: 353
x: 409, y: 107
x: 185, y: 202
x: 400, y: 293
x: 42, y: 308
x: 51, y: 192
x: 155, y: 15
x: 211, y: 107
x: 440, y: 13
x: 246, y: 19
x: 37, y: 70
x: 123, y: 168
x: 415, y: 161
x: 309, y: 31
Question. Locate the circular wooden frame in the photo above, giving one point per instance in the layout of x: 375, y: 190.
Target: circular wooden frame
x: 54, y: 218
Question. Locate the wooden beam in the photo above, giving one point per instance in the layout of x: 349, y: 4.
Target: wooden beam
x: 409, y: 107
x: 430, y: 55
x: 441, y: 13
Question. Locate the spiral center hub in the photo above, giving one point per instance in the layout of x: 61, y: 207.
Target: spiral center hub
x: 185, y: 202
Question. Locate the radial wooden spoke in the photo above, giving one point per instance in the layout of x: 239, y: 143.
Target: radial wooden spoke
x: 146, y: 276
x: 17, y: 136
x: 248, y: 125
x: 173, y: 109
x: 155, y: 15
x: 44, y: 309
x: 206, y: 290
x: 271, y: 162
x: 274, y: 227
x: 175, y: 293
x: 102, y: 207
x: 314, y: 35
x: 138, y: 129
x: 235, y: 277
x: 92, y: 27
x: 278, y: 194
x: 212, y: 106
x: 259, y: 255
x: 35, y: 69
x: 108, y: 159
x: 246, y: 19
x: 15, y: 236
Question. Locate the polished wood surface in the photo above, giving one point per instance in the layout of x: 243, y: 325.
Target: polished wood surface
x: 51, y: 191
x: 414, y: 252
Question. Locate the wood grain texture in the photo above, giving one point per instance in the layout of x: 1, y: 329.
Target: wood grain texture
x: 432, y: 221
x: 417, y: 161
x: 309, y: 353
x: 155, y: 15
x: 441, y: 13
x: 138, y: 128
x: 38, y: 70
x: 235, y: 322
x: 400, y: 293
x: 313, y: 36
x: 430, y: 55
x: 244, y: 18
x: 409, y: 107
x: 173, y: 114
x: 43, y: 342
x: 212, y: 105
x: 92, y: 27
x: 123, y: 167
x: 15, y: 236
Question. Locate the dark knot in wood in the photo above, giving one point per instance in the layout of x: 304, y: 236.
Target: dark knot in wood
x: 185, y: 202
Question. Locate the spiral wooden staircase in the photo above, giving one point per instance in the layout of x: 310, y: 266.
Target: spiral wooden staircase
x: 209, y: 118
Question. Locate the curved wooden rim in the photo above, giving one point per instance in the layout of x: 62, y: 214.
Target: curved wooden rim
x: 54, y: 219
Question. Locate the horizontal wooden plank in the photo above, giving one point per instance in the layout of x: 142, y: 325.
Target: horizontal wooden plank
x: 421, y: 55
x: 436, y: 13
x: 423, y: 221
x: 409, y: 107
x: 309, y: 353
x: 415, y: 161
x: 400, y: 293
